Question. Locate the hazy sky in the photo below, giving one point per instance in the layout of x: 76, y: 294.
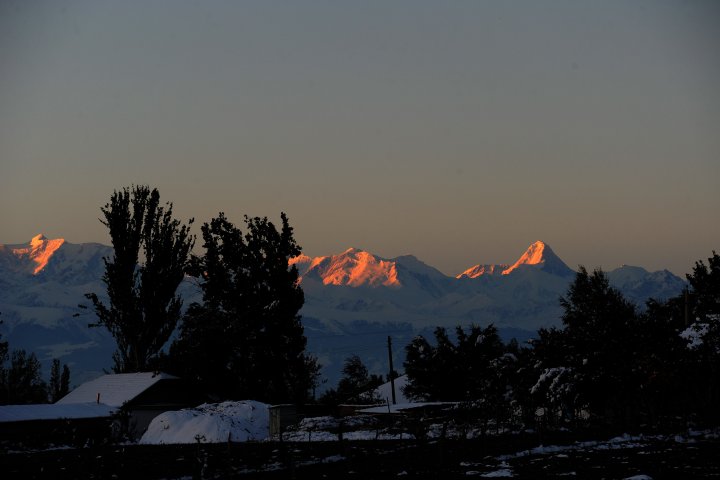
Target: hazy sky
x: 460, y: 132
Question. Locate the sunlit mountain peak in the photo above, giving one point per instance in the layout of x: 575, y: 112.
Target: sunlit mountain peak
x: 39, y: 250
x: 534, y: 255
x: 539, y: 255
x: 353, y: 267
x: 37, y: 240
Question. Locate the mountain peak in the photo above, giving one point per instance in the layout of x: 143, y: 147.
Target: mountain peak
x: 37, y: 240
x: 534, y: 255
x: 353, y: 267
x: 540, y: 253
x: 39, y: 250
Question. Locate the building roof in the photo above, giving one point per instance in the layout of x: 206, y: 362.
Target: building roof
x: 400, y: 407
x: 114, y: 390
x: 53, y: 411
x: 384, y: 391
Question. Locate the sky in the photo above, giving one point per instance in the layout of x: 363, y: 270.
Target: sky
x: 460, y: 132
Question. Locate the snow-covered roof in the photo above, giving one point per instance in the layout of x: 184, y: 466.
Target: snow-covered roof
x: 53, y: 411
x: 404, y: 406
x: 114, y: 390
x: 384, y: 391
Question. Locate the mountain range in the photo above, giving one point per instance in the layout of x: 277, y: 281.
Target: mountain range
x: 353, y: 300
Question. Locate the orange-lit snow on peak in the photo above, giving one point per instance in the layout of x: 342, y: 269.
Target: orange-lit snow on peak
x: 480, y: 270
x: 533, y: 256
x: 300, y: 259
x: 301, y: 262
x: 304, y: 263
x: 353, y: 268
x: 40, y: 250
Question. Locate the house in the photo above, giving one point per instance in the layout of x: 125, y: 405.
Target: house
x: 52, y: 423
x: 137, y: 398
x: 120, y: 403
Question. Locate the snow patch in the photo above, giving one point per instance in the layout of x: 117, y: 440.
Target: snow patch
x: 211, y: 423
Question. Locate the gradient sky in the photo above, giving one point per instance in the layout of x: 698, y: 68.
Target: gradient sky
x: 460, y: 132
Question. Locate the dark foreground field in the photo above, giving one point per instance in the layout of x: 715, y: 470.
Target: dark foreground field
x: 514, y: 457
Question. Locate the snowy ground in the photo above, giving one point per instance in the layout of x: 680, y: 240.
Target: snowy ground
x: 231, y: 440
x: 249, y: 420
x: 690, y: 455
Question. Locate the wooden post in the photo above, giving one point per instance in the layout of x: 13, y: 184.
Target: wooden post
x: 392, y: 370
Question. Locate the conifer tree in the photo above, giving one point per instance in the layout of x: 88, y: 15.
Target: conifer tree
x: 24, y: 379
x: 64, y: 382
x: 3, y: 371
x: 702, y: 307
x: 469, y: 370
x: 601, y: 341
x: 59, y: 381
x: 151, y: 252
x: 54, y: 387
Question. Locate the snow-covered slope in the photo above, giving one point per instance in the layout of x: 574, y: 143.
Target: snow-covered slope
x: 42, y: 282
x: 637, y: 284
x: 480, y: 270
x: 353, y: 300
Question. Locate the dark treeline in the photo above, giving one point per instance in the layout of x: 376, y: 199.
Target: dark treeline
x: 21, y: 379
x: 608, y: 365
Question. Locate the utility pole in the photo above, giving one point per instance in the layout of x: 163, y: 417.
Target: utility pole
x: 392, y: 370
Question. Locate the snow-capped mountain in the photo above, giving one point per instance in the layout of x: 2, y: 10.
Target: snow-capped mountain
x: 538, y: 256
x: 637, y: 284
x: 353, y: 268
x: 353, y: 300
x: 41, y: 284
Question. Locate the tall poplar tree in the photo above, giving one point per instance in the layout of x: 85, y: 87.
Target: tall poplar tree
x: 151, y: 253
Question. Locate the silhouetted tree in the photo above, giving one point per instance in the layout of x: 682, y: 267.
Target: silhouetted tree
x: 3, y: 371
x: 424, y: 368
x: 24, y: 380
x: 59, y: 381
x: 20, y: 380
x: 151, y: 252
x: 54, y: 386
x: 591, y: 364
x: 64, y: 381
x: 470, y: 370
x: 662, y: 362
x: 246, y: 340
x: 356, y: 386
x: 703, y: 337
